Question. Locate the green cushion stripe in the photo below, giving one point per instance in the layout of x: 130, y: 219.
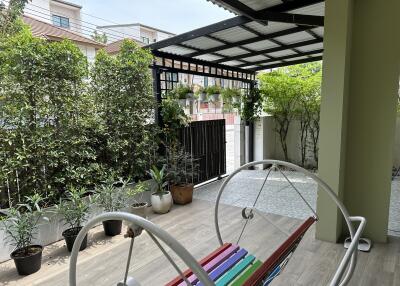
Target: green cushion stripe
x: 235, y: 271
x: 241, y: 279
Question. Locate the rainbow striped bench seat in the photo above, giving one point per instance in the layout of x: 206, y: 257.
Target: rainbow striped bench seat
x: 235, y: 266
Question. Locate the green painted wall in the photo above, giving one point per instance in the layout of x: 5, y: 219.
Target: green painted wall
x: 358, y: 112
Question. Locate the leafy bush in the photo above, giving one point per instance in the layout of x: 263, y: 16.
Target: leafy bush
x: 122, y: 88
x: 21, y: 222
x: 48, y: 118
x: 110, y: 198
x: 159, y: 178
x: 182, y: 167
x: 74, y: 208
x: 213, y: 89
x: 182, y: 91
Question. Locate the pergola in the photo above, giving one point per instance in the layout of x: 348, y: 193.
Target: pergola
x: 359, y: 43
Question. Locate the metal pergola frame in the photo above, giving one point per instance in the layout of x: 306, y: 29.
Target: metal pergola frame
x: 244, y: 70
x: 277, y: 13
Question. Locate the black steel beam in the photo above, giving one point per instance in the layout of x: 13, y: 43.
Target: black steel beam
x: 270, y: 50
x: 263, y: 62
x: 290, y: 63
x: 266, y: 15
x: 177, y: 70
x: 226, y: 24
x: 201, y: 62
x: 249, y: 41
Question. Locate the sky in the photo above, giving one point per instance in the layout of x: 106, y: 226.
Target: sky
x: 175, y: 16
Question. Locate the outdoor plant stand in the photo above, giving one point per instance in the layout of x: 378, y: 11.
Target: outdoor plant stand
x: 231, y: 264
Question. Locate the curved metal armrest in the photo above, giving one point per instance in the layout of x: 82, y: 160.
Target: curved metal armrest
x: 350, y: 255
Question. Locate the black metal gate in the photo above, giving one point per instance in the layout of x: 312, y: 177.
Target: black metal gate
x: 206, y: 141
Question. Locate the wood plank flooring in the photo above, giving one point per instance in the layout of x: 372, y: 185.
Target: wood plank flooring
x: 103, y: 263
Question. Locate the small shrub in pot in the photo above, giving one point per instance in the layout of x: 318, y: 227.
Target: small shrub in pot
x: 161, y: 199
x: 74, y: 209
x: 137, y: 206
x: 182, y: 169
x: 20, y: 225
x: 213, y: 93
x: 111, y: 199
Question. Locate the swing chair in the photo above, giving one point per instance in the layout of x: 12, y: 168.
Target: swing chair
x: 230, y: 264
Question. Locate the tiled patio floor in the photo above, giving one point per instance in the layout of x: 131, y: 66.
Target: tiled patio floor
x: 103, y: 262
x: 278, y: 197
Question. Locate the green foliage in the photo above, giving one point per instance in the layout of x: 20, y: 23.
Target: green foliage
x: 181, y: 92
x: 138, y: 189
x: 21, y: 222
x: 181, y: 167
x: 280, y: 92
x: 74, y: 208
x: 251, y: 105
x: 48, y: 118
x: 110, y: 198
x: 229, y: 93
x: 159, y: 178
x: 213, y: 89
x: 122, y: 87
x: 10, y: 22
x: 174, y: 117
x: 98, y: 37
x: 294, y: 93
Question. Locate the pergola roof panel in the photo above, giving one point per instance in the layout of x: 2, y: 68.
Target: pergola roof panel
x: 315, y: 10
x: 311, y: 47
x: 266, y: 33
x: 177, y: 50
x: 208, y: 57
x: 255, y: 58
x: 258, y: 5
x: 294, y: 38
x: 233, y: 52
x: 271, y: 27
x: 233, y: 34
x: 261, y: 45
x: 282, y: 53
x: 203, y: 43
x: 232, y: 63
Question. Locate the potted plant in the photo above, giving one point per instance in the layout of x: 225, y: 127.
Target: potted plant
x: 202, y: 94
x: 111, y: 199
x: 183, y: 92
x: 182, y: 168
x: 236, y: 95
x: 20, y: 224
x: 137, y: 206
x: 161, y: 200
x: 74, y: 210
x: 213, y: 93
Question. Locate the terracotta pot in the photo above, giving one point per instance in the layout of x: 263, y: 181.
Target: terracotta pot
x: 161, y: 203
x: 182, y: 194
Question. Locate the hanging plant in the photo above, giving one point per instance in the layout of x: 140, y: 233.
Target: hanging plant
x: 213, y: 93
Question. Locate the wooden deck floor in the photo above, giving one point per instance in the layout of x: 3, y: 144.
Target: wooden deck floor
x: 104, y: 261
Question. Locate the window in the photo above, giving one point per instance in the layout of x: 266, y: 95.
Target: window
x: 60, y: 21
x: 145, y: 40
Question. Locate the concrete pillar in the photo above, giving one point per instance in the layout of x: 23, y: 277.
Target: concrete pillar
x: 239, y: 142
x: 358, y: 112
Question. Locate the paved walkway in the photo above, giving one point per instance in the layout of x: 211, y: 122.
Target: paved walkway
x: 278, y: 197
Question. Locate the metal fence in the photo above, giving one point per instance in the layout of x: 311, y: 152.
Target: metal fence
x: 206, y: 142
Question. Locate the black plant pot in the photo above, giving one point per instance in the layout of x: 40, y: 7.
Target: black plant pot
x: 112, y: 227
x: 28, y: 264
x: 70, y: 236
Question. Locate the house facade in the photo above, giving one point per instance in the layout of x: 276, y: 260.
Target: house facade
x: 138, y: 32
x: 56, y: 20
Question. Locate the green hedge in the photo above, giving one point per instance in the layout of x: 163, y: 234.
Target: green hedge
x: 62, y: 125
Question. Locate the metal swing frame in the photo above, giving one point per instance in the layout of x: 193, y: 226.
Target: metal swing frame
x: 341, y: 277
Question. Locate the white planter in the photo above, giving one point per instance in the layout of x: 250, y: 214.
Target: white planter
x: 161, y: 204
x: 189, y: 96
x: 202, y: 96
x: 215, y: 97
